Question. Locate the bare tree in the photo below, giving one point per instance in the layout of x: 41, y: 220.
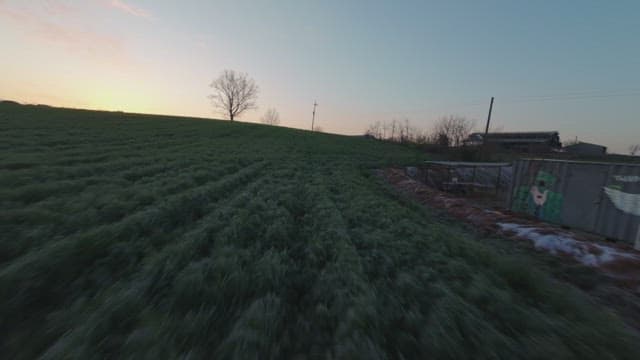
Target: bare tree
x: 404, y: 135
x: 393, y: 128
x: 407, y: 130
x: 397, y: 130
x: 271, y: 117
x: 402, y: 131
x: 634, y: 149
x: 441, y: 139
x: 385, y: 130
x: 374, y: 130
x: 454, y: 129
x: 419, y: 136
x: 234, y: 93
x: 448, y: 131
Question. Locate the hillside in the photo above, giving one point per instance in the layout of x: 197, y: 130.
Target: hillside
x: 146, y: 236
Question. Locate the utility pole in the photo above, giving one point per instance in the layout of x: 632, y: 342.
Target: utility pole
x: 313, y: 117
x: 486, y: 130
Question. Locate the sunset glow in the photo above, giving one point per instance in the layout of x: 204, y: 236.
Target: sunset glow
x: 361, y: 61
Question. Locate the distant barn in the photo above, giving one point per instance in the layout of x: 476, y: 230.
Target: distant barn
x: 531, y: 142
x: 583, y: 148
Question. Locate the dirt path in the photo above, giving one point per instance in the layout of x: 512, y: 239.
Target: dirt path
x: 614, y: 268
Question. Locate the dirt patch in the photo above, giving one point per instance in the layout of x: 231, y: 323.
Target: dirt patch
x: 613, y: 269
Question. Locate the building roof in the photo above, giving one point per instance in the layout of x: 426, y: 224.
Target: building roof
x: 602, y: 163
x: 584, y: 143
x: 467, y: 164
x: 518, y: 139
x: 524, y: 134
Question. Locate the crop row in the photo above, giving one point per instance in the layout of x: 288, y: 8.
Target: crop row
x: 45, y: 273
x: 142, y: 286
x: 198, y: 239
x: 65, y: 213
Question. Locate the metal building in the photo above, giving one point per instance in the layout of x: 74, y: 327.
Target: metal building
x: 583, y: 148
x: 531, y: 142
x: 603, y: 198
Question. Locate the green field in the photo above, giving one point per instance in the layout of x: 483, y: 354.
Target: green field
x: 157, y: 237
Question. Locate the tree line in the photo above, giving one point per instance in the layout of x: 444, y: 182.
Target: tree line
x: 447, y: 131
x: 234, y: 93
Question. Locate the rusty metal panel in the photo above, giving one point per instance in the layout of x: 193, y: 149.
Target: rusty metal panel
x: 603, y: 198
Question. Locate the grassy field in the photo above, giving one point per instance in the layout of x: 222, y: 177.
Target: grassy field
x: 156, y: 237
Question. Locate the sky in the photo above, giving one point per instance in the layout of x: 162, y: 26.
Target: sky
x: 570, y: 66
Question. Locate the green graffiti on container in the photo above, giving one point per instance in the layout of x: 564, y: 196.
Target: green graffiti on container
x: 538, y: 200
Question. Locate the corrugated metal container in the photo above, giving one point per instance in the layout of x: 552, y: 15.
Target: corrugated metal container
x: 603, y: 198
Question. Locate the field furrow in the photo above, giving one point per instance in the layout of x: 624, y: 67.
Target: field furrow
x: 149, y: 281
x: 139, y: 236
x: 99, y: 205
x: 82, y: 250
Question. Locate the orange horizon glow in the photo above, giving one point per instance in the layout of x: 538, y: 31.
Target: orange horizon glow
x: 361, y: 64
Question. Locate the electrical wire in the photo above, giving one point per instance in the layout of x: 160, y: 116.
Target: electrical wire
x: 573, y: 96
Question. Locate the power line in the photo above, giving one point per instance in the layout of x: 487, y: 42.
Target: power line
x: 568, y: 96
x: 573, y: 97
x: 581, y: 93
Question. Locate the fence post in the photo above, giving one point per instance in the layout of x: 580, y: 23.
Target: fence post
x: 498, y: 181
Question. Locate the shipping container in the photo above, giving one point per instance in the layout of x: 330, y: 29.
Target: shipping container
x: 603, y: 198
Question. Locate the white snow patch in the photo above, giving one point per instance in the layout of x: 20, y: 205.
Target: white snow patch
x: 627, y: 178
x: 587, y: 253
